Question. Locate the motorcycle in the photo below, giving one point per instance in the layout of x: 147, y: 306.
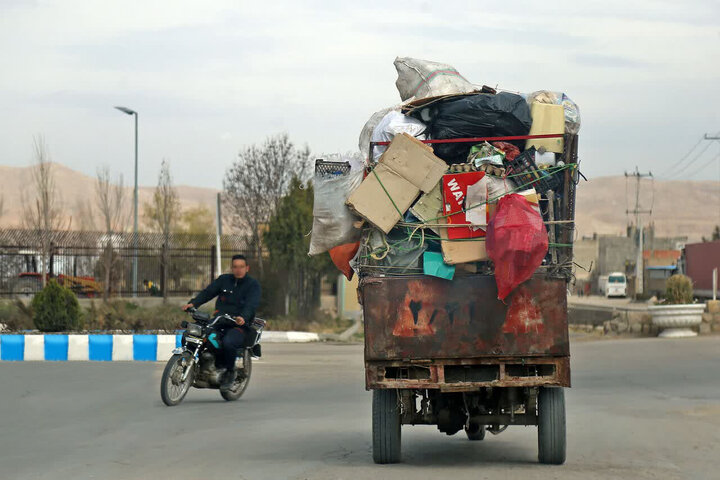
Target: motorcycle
x: 193, y: 363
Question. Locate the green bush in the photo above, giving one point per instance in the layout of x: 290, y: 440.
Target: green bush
x: 56, y: 309
x: 678, y: 290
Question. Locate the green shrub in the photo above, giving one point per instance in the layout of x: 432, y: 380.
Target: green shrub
x: 678, y: 290
x: 55, y: 309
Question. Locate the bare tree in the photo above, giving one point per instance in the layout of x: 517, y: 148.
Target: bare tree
x: 111, y: 204
x: 84, y: 215
x: 257, y: 181
x: 42, y: 212
x: 163, y: 214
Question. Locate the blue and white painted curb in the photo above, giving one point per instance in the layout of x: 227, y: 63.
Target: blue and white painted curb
x: 106, y: 347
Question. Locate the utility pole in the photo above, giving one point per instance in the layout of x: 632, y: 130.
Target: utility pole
x: 639, y: 267
x: 218, y: 235
x: 715, y: 137
x: 129, y: 111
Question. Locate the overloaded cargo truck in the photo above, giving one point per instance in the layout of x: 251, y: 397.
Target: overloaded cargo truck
x: 459, y: 221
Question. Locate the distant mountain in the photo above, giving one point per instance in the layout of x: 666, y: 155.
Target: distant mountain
x: 680, y: 207
x: 77, y: 191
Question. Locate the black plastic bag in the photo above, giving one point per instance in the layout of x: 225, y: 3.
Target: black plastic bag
x: 480, y: 115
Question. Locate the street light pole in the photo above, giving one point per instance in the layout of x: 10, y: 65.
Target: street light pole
x: 135, y: 205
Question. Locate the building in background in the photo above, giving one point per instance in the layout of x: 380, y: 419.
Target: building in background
x: 659, y: 266
x: 613, y: 253
x: 698, y: 262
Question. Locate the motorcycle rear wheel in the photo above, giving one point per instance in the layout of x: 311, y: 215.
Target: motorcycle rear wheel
x: 172, y: 388
x: 243, y: 378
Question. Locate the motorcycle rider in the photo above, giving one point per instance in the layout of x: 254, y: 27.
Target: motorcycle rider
x: 238, y: 295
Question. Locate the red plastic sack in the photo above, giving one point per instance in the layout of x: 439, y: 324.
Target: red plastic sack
x: 517, y: 242
x: 341, y: 256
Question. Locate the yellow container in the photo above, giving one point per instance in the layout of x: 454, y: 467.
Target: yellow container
x: 547, y: 119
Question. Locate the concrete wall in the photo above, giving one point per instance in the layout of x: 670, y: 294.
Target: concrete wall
x: 614, y: 253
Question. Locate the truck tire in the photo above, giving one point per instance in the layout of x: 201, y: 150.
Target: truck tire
x: 475, y: 432
x: 386, y: 426
x: 551, y: 425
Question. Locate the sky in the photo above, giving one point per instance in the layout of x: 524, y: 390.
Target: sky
x: 210, y: 77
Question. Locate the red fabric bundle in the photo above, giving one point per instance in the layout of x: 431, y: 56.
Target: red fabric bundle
x: 341, y: 256
x: 511, y: 151
x: 517, y: 242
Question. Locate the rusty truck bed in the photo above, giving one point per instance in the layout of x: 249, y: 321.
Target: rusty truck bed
x: 425, y: 332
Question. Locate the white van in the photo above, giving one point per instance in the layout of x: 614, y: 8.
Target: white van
x: 616, y: 285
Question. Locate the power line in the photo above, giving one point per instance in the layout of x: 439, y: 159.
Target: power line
x: 716, y: 157
x: 698, y: 155
x: 711, y: 137
x: 684, y: 156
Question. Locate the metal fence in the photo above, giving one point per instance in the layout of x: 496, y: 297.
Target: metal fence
x: 78, y: 260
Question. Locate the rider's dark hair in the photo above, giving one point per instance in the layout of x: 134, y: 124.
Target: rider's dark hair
x: 239, y: 257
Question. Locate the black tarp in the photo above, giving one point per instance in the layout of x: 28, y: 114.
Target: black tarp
x: 479, y: 115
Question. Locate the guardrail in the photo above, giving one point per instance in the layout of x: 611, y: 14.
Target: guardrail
x: 109, y: 347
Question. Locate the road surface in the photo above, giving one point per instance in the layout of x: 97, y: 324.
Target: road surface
x: 641, y: 408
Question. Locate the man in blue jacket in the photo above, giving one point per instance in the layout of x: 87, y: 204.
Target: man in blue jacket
x: 238, y: 295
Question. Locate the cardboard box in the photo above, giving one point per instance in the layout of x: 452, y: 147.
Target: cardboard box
x: 406, y: 168
x: 428, y: 205
x: 547, y: 119
x: 461, y: 251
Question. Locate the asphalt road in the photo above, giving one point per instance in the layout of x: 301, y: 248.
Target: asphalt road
x: 642, y: 408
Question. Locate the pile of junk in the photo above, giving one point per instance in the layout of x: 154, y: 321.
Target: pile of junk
x: 455, y: 180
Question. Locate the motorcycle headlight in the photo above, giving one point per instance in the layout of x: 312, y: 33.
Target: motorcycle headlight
x: 194, y: 330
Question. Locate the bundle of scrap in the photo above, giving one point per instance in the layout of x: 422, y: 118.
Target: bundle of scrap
x: 434, y: 171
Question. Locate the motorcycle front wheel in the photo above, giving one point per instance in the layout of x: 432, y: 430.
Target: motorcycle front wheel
x: 172, y: 387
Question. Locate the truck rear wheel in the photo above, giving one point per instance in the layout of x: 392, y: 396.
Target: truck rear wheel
x: 551, y: 425
x: 475, y: 432
x: 386, y: 426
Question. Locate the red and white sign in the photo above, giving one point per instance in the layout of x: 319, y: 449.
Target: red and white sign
x: 455, y: 187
